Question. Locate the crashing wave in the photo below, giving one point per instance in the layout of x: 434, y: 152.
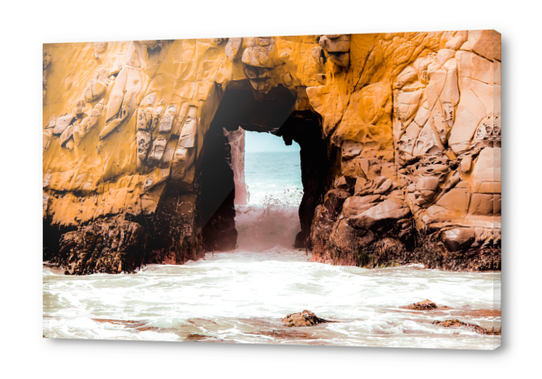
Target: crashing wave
x: 272, y: 222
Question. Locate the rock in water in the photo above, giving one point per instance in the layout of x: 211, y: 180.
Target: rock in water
x: 473, y: 327
x: 425, y: 305
x: 305, y: 318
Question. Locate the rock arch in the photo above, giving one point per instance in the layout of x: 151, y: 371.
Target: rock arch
x: 399, y: 135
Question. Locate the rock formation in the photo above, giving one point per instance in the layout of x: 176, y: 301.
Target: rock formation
x: 424, y: 305
x: 236, y: 139
x: 399, y: 137
x: 471, y: 327
x: 305, y: 318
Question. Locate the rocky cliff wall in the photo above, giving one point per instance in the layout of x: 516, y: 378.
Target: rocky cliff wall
x: 400, y: 143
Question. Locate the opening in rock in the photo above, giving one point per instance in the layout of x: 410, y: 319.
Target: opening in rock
x: 272, y: 113
x: 273, y: 176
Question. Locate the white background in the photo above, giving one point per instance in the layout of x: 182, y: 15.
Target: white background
x: 26, y: 26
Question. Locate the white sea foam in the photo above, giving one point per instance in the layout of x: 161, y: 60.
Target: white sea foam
x: 273, y: 222
x: 238, y: 296
x: 241, y: 296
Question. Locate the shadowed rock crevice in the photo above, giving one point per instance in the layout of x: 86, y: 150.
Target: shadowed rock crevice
x: 51, y: 241
x: 254, y: 111
x: 316, y: 176
x: 215, y: 207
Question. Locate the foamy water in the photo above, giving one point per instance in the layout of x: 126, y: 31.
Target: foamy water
x: 242, y: 296
x: 272, y: 176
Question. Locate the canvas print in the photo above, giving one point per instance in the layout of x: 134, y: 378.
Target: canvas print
x: 310, y: 190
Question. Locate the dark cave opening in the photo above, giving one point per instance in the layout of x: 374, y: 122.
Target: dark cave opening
x: 272, y: 113
x: 215, y: 210
x: 304, y: 128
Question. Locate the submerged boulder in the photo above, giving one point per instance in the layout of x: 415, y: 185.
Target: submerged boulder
x: 473, y: 327
x: 425, y: 305
x: 305, y: 318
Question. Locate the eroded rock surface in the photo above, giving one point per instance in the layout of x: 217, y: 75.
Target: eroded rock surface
x: 113, y: 246
x: 399, y: 135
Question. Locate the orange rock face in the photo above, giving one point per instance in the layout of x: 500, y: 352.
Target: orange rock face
x: 409, y: 125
